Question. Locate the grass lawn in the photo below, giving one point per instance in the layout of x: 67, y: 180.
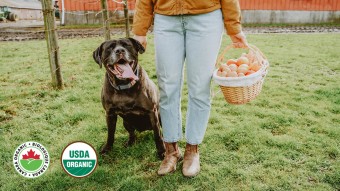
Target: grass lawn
x: 286, y: 139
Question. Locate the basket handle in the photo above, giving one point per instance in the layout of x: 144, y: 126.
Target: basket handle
x: 257, y: 50
x: 265, y: 71
x: 251, y: 47
x: 220, y: 57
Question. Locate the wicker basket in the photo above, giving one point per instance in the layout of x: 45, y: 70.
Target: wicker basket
x: 240, y: 90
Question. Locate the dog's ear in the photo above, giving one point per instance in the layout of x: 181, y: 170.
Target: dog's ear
x: 138, y: 46
x: 97, y: 55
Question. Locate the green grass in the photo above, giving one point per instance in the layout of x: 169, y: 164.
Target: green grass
x: 286, y: 139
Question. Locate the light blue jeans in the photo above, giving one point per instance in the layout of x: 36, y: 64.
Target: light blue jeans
x: 195, y: 40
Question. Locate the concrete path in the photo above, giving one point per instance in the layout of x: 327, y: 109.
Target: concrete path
x: 21, y: 24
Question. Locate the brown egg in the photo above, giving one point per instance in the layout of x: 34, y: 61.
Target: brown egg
x: 243, y: 68
x: 233, y: 67
x: 242, y: 60
x: 256, y: 67
x: 241, y: 75
x: 224, y: 67
x: 231, y: 61
x: 224, y: 74
x: 232, y: 74
x: 250, y: 72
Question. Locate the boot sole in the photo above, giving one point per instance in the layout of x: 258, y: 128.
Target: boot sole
x: 167, y: 172
x: 193, y: 175
x: 178, y: 161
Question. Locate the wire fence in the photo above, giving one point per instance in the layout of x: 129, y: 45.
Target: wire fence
x: 51, y: 31
x: 18, y: 32
x: 95, y: 5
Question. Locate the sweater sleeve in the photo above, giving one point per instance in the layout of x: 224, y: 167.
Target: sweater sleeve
x: 231, y: 16
x: 143, y: 17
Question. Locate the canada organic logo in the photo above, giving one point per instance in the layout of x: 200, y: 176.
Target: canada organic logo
x: 79, y: 159
x: 31, y: 159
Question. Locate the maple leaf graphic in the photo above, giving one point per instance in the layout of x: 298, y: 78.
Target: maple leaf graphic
x: 31, y: 155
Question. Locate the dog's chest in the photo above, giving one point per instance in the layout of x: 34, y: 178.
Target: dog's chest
x: 130, y: 108
x: 123, y: 105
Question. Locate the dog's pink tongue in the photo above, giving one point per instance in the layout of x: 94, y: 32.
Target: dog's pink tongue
x: 127, y: 71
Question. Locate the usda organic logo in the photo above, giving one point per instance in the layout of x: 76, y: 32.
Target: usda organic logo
x: 31, y: 159
x: 79, y: 159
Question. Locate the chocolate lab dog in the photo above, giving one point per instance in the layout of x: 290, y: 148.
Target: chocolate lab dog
x: 128, y: 92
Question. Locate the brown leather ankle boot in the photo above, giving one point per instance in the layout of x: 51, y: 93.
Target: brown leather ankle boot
x: 191, y: 162
x: 172, y: 156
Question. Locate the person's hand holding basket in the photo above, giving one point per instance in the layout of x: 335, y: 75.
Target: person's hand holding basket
x: 241, y: 79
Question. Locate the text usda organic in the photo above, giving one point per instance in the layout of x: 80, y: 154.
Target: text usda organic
x: 79, y: 159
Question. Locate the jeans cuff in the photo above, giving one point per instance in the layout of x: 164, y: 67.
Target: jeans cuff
x: 197, y: 142
x: 171, y: 140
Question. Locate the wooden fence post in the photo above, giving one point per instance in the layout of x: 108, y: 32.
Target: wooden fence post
x: 52, y: 44
x: 106, y: 20
x: 127, y: 21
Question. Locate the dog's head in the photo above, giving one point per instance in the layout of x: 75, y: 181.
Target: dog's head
x: 119, y: 57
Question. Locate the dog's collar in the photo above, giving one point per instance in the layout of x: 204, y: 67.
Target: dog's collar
x: 126, y: 86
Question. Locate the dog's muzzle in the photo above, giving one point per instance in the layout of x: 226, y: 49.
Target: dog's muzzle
x: 122, y: 69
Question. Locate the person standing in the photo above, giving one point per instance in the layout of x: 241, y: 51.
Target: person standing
x: 186, y: 31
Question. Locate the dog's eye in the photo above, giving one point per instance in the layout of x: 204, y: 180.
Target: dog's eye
x: 113, y: 45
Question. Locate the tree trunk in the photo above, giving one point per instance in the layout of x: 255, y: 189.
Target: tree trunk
x: 127, y: 21
x: 52, y: 44
x: 106, y: 20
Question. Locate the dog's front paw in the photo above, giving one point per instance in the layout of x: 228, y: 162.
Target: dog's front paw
x: 105, y: 149
x: 130, y: 142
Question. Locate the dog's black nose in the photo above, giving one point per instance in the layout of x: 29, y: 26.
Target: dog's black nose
x: 119, y: 51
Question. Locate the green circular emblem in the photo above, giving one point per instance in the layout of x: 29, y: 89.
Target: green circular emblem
x: 79, y: 159
x: 31, y: 159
